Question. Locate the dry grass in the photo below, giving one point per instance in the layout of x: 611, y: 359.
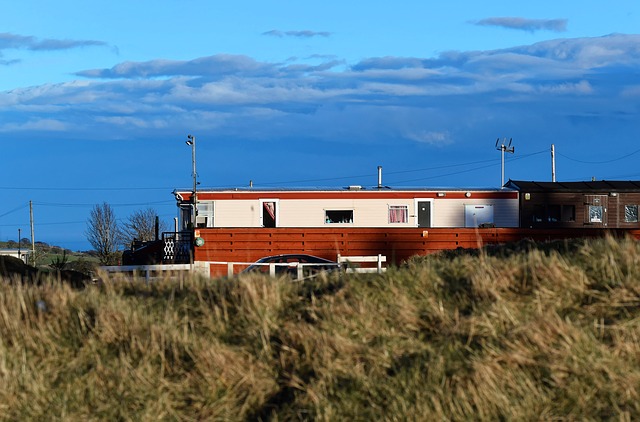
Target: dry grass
x: 542, y: 334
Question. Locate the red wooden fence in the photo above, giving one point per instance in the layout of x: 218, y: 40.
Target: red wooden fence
x: 250, y: 244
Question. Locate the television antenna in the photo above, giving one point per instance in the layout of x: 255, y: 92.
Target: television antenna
x: 503, y: 147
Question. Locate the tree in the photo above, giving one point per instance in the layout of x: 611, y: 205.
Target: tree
x: 141, y: 225
x: 103, y: 233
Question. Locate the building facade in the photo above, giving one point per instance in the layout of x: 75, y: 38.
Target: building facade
x: 596, y: 204
x: 352, y: 207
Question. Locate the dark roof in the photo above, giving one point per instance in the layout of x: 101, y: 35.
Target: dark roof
x: 590, y: 186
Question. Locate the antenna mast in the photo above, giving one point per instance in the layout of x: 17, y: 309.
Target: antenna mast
x: 553, y: 163
x: 504, y: 148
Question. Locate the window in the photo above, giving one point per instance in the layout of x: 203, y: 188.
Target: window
x: 398, y: 213
x: 269, y: 217
x: 553, y: 213
x: 568, y: 213
x: 538, y: 213
x: 631, y: 213
x: 338, y: 216
x: 185, y: 216
x: 478, y: 216
x: 595, y: 213
x: 204, y: 215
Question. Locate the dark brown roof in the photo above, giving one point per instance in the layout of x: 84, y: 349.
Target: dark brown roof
x: 591, y: 186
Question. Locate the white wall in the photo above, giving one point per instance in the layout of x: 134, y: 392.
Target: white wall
x: 367, y: 212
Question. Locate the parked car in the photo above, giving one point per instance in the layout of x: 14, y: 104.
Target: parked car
x: 288, y: 263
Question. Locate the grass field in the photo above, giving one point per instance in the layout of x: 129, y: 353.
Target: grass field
x: 544, y: 333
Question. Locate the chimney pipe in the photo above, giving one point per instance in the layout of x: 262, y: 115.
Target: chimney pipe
x: 379, y: 177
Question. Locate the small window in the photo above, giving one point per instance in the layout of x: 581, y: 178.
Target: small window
x: 204, y: 214
x: 553, y: 213
x: 185, y: 216
x: 269, y: 214
x: 595, y: 213
x: 398, y: 214
x: 538, y: 213
x: 631, y: 213
x: 568, y: 213
x: 338, y: 216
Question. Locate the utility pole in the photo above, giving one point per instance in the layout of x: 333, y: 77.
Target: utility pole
x: 504, y: 148
x: 19, y: 242
x: 191, y: 141
x: 553, y: 163
x: 33, y: 242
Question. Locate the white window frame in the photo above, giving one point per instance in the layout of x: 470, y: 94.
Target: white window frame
x: 403, y: 207
x: 485, y: 210
x: 415, y: 210
x: 626, y: 220
x: 596, y: 220
x: 206, y: 209
x: 351, y: 210
x: 277, y: 210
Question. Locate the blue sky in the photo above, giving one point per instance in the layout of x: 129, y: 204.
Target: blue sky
x: 97, y: 98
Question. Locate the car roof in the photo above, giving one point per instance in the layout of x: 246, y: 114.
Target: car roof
x: 292, y: 255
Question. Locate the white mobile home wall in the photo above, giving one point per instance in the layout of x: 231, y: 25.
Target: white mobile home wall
x: 445, y: 212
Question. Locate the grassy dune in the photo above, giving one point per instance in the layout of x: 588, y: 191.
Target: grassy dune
x: 542, y: 334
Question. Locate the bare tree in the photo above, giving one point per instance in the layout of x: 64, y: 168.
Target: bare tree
x: 141, y: 225
x: 103, y: 233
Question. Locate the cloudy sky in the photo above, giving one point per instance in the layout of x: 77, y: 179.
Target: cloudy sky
x: 97, y: 98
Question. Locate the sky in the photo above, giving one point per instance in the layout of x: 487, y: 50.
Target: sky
x: 97, y: 99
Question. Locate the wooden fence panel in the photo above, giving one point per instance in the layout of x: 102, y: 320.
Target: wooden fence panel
x: 398, y: 244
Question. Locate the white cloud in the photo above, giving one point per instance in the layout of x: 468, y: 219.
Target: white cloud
x: 524, y: 24
x: 580, y: 88
x: 15, y: 41
x: 631, y: 91
x: 37, y: 125
x: 298, y: 34
x: 376, y: 99
x: 430, y: 137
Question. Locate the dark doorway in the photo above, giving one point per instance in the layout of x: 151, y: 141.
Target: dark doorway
x: 424, y: 213
x: 268, y: 214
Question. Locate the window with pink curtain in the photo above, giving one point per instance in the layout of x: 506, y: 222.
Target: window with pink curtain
x: 398, y: 214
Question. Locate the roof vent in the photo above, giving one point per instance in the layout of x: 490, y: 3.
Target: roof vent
x: 354, y: 187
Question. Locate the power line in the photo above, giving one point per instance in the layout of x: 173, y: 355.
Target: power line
x: 520, y: 157
x: 493, y: 163
x: 14, y: 210
x: 610, y: 177
x: 44, y: 224
x: 132, y: 204
x: 449, y: 174
x: 600, y: 162
x: 73, y: 222
x: 404, y: 172
x: 128, y: 188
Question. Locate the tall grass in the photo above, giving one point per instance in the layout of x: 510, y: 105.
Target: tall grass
x: 541, y: 334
